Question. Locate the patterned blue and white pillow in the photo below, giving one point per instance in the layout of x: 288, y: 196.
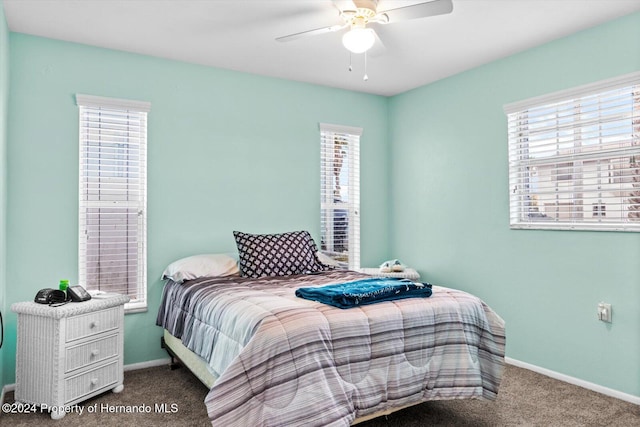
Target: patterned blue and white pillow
x: 277, y: 254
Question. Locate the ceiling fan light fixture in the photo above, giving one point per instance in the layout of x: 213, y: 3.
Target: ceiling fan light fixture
x: 358, y: 40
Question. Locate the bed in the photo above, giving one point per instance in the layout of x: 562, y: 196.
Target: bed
x: 271, y: 358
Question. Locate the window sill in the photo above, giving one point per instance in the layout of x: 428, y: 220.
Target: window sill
x: 135, y: 308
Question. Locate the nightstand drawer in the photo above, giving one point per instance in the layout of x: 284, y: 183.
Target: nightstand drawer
x: 93, y: 323
x: 96, y: 379
x: 81, y: 355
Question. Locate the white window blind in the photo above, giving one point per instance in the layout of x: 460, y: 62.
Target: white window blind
x: 112, y: 215
x: 340, y: 193
x: 574, y: 158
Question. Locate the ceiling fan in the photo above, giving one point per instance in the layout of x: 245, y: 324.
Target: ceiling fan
x: 357, y: 14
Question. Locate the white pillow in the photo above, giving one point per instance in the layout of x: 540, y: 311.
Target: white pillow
x: 205, y: 265
x: 327, y: 260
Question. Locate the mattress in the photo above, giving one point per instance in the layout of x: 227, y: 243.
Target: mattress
x: 282, y: 360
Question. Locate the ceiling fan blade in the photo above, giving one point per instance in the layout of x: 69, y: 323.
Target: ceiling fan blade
x: 344, y: 5
x: 315, y: 32
x: 378, y: 48
x: 421, y: 10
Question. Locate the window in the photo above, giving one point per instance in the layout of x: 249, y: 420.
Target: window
x: 574, y: 158
x: 340, y: 193
x: 113, y: 197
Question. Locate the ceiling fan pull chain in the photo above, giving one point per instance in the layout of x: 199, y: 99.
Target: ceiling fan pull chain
x: 365, y: 78
x: 350, y: 67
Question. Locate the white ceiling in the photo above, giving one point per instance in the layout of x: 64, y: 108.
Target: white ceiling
x: 240, y: 34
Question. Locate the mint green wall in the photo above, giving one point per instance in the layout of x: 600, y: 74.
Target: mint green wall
x: 227, y: 151
x: 4, y: 101
x: 235, y: 151
x: 450, y: 219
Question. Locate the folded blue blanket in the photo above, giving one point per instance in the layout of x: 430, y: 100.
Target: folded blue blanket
x: 366, y: 291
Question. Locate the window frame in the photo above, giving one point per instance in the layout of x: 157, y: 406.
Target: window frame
x: 581, y: 170
x: 138, y: 110
x: 328, y: 204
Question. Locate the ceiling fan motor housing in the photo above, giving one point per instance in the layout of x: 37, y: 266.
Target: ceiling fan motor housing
x: 365, y: 13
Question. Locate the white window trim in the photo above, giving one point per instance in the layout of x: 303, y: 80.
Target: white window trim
x: 91, y: 101
x: 550, y: 99
x: 354, y: 190
x: 576, y: 92
x: 120, y: 104
x: 351, y: 130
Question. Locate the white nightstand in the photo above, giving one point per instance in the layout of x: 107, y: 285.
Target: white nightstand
x: 407, y: 273
x: 69, y: 353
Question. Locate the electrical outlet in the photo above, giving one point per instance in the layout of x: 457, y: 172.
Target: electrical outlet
x: 604, y: 312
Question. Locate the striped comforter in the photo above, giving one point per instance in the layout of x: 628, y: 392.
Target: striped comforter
x: 283, y: 360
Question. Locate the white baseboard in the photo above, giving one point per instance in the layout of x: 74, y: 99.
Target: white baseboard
x: 147, y: 364
x: 7, y: 388
x: 547, y: 372
x: 575, y: 381
x: 131, y: 367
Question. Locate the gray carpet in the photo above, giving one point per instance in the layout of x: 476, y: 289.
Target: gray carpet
x: 525, y: 399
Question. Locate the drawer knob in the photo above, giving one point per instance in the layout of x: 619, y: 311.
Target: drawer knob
x: 94, y: 381
x: 95, y: 352
x: 93, y: 324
